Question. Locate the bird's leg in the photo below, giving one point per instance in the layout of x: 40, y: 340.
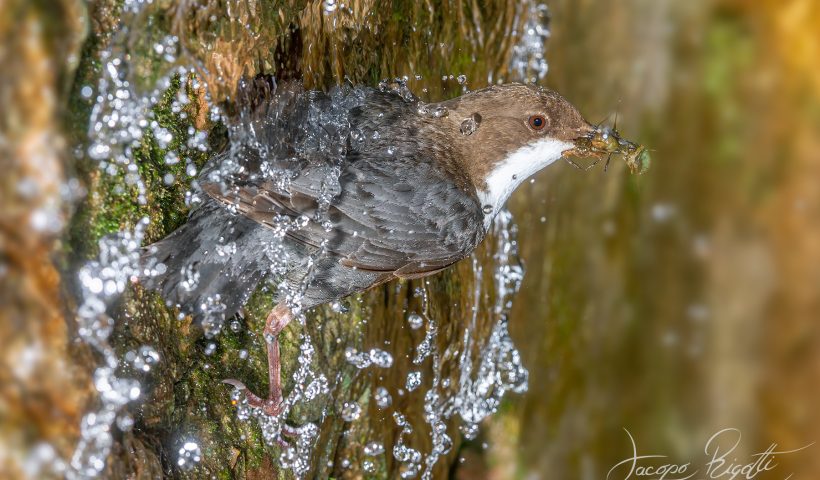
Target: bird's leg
x: 277, y: 320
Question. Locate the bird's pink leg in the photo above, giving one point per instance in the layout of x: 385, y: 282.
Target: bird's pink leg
x: 277, y: 320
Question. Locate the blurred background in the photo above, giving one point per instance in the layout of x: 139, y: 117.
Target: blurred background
x: 674, y: 304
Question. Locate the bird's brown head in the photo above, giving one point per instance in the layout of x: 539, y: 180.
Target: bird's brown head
x: 509, y: 132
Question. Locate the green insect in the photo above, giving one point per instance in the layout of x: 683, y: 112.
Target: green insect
x: 606, y: 142
x: 638, y: 160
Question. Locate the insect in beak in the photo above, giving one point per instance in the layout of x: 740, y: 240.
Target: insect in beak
x: 603, y: 142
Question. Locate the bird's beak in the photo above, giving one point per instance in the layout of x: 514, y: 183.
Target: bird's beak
x: 603, y: 142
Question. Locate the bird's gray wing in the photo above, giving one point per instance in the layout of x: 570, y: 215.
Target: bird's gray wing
x: 399, y: 215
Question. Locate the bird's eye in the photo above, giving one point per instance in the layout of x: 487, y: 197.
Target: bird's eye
x: 538, y: 122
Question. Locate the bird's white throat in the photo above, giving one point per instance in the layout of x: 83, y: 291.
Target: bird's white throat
x: 514, y: 169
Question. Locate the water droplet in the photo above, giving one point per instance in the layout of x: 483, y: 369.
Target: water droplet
x: 351, y: 411
x: 358, y: 359
x: 189, y: 456
x: 382, y: 397
x: 415, y: 321
x: 469, y: 430
x: 468, y: 126
x: 487, y: 209
x: 373, y: 449
x: 190, y: 276
x: 226, y: 250
x: 143, y: 359
x: 413, y: 381
x: 125, y: 422
x: 339, y: 307
x: 380, y: 358
x: 440, y: 112
x: 330, y: 6
x: 213, y: 312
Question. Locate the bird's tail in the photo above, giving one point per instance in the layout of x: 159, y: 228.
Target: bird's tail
x: 210, y: 265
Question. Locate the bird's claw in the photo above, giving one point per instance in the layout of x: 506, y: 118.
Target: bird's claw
x: 272, y: 406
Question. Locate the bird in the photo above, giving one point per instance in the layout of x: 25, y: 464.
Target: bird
x: 336, y: 192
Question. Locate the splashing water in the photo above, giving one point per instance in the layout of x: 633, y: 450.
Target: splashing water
x: 121, y: 118
x: 529, y: 62
x: 482, y: 382
x: 118, y: 121
x: 500, y: 367
x: 102, y: 281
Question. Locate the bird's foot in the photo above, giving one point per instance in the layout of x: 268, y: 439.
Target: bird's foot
x: 272, y: 406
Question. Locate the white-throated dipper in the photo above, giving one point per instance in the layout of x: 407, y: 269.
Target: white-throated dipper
x: 418, y: 187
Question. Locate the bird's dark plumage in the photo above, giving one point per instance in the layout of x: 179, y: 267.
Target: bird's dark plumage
x: 395, y: 212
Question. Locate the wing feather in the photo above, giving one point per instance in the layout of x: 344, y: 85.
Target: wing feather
x: 396, y: 215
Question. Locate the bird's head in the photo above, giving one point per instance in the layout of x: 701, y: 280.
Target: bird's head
x: 510, y: 132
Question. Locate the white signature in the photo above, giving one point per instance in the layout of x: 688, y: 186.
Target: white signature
x: 719, y: 463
